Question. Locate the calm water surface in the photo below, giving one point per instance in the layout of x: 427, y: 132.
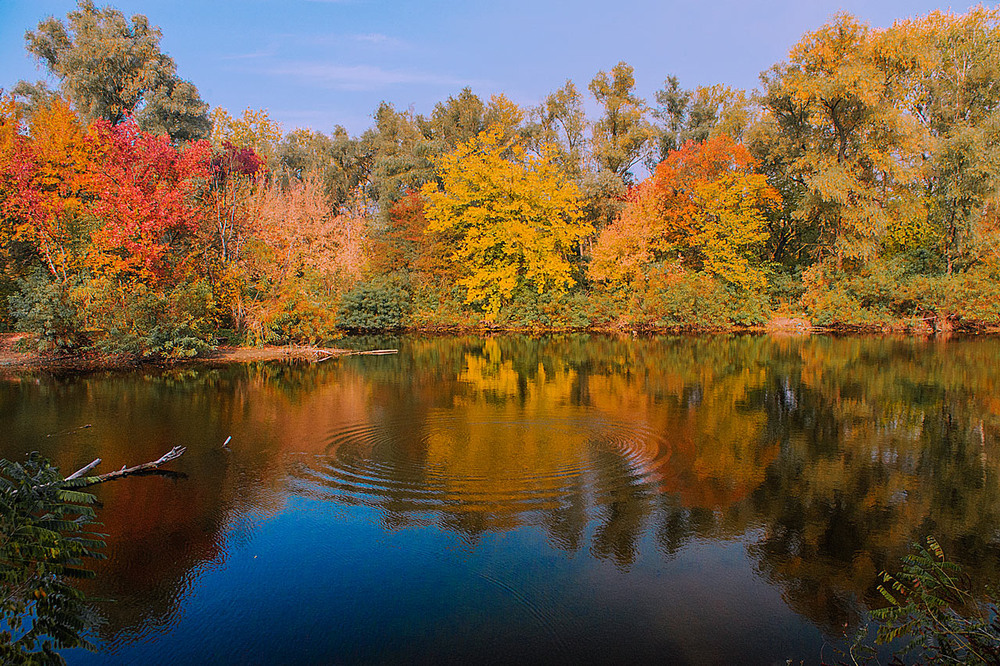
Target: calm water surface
x: 567, y: 499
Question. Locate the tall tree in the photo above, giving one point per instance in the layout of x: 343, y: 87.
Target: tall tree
x: 841, y: 134
x: 456, y: 120
x: 110, y: 68
x: 697, y: 115
x: 561, y: 122
x: 622, y: 135
x: 955, y: 97
x: 400, y: 155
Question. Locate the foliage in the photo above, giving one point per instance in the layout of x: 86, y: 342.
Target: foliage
x: 136, y: 320
x: 530, y: 310
x: 704, y: 208
x: 932, y: 604
x: 860, y: 186
x: 43, y: 305
x: 112, y: 69
x: 516, y: 219
x: 622, y: 135
x: 381, y: 304
x: 147, y: 201
x: 47, y: 539
x: 698, y: 115
x: 670, y: 296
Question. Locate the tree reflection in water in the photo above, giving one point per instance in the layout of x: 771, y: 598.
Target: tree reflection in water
x: 826, y: 456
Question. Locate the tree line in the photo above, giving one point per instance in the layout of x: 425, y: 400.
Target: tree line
x: 856, y: 187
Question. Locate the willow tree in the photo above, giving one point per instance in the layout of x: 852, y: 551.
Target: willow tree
x: 111, y: 68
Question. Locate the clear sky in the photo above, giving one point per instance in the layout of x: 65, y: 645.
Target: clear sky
x: 319, y: 63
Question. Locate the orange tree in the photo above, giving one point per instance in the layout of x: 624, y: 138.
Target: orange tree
x: 704, y: 210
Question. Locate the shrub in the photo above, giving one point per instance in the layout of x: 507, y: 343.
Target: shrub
x: 43, y: 306
x: 381, y: 304
x: 529, y: 309
x: 47, y: 540
x: 933, y: 610
x: 136, y: 320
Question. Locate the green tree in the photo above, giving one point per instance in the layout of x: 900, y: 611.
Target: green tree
x: 622, y: 135
x: 560, y: 122
x: 110, y: 68
x: 455, y: 121
x: 698, y: 115
x: 400, y: 157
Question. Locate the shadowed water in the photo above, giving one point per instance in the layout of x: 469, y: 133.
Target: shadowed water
x: 575, y: 498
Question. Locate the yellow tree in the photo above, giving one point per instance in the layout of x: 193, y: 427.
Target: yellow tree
x: 840, y: 134
x: 516, y: 218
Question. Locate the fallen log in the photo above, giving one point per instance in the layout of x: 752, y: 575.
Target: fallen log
x: 172, y: 454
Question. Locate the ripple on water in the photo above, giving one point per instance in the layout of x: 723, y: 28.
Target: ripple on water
x: 450, y: 463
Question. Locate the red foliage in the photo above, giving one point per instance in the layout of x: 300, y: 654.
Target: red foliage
x: 145, y: 189
x: 233, y: 161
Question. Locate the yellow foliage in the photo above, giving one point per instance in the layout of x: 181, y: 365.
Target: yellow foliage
x: 516, y: 216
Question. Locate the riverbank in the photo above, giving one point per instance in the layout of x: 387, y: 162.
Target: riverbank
x: 17, y: 353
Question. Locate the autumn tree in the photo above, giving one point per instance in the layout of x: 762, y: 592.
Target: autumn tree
x: 954, y: 96
x: 516, y: 217
x: 236, y: 172
x: 54, y: 220
x: 840, y: 133
x: 147, y: 201
x: 110, y: 68
x: 704, y: 209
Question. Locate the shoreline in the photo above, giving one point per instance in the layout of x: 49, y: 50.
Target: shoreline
x: 14, y: 358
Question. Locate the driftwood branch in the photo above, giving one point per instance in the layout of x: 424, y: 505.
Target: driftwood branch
x: 83, y: 470
x: 172, y: 454
x: 373, y: 352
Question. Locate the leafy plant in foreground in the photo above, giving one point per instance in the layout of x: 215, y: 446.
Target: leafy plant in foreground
x: 932, y: 604
x: 44, y: 540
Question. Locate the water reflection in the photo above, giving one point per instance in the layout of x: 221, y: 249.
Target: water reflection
x: 823, y: 457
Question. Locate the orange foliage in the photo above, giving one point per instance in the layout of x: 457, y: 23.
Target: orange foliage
x: 704, y: 208
x: 46, y: 180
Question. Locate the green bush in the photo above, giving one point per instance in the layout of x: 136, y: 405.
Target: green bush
x: 529, y: 309
x: 142, y: 322
x: 678, y: 298
x: 47, y: 539
x: 381, y: 304
x: 43, y: 306
x: 934, y: 614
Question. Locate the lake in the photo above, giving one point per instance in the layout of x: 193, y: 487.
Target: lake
x: 498, y: 499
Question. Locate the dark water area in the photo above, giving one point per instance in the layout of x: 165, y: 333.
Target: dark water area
x: 565, y: 499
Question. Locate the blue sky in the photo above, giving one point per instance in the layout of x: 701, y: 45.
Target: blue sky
x: 319, y: 63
